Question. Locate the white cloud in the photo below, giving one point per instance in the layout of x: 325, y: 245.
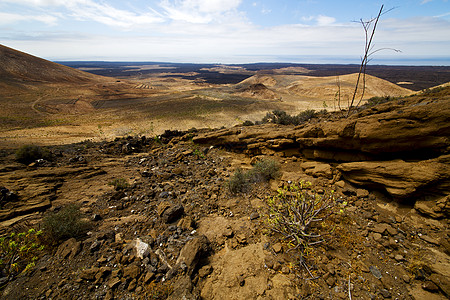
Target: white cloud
x: 9, y: 18
x: 425, y: 1
x: 320, y: 20
x: 325, y: 20
x: 198, y: 11
x: 106, y: 14
x: 97, y: 11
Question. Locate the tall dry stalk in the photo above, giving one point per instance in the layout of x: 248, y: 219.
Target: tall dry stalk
x: 369, y: 27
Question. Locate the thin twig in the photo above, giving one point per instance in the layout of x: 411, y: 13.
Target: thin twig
x: 349, y: 290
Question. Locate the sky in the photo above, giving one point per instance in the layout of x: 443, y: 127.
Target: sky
x: 227, y: 31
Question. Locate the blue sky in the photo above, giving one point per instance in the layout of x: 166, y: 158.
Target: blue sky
x: 226, y: 31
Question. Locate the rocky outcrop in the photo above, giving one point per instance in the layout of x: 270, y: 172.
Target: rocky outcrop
x: 400, y: 146
x: 35, y: 189
x: 413, y: 128
x: 399, y: 178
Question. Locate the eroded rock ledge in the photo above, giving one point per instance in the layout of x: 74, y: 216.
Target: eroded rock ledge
x: 401, y: 146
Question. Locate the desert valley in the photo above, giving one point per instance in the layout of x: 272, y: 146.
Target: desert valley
x: 158, y: 180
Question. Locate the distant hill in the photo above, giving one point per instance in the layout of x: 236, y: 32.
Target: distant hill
x: 17, y: 67
x: 325, y: 87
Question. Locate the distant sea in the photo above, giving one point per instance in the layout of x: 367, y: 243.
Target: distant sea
x: 393, y: 61
x: 399, y: 60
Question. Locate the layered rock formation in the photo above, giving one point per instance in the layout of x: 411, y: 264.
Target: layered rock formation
x: 401, y: 146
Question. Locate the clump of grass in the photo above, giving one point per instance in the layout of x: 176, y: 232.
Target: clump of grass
x: 65, y: 223
x: 295, y: 214
x: 120, y: 184
x: 30, y: 153
x: 262, y: 171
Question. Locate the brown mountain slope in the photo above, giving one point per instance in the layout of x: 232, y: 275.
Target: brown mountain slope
x: 18, y: 67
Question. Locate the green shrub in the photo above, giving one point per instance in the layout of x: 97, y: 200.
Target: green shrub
x: 30, y: 153
x: 282, y: 118
x: 265, y: 170
x: 65, y: 223
x: 378, y: 100
x: 305, y: 116
x: 262, y: 171
x: 120, y: 184
x: 19, y: 252
x: 295, y: 213
x: 238, y: 182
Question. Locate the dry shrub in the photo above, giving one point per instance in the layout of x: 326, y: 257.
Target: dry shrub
x: 65, y: 223
x: 30, y: 153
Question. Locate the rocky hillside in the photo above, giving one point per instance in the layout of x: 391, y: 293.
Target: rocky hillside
x: 18, y: 68
x: 164, y: 224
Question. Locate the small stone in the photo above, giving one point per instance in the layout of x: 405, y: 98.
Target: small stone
x: 177, y: 171
x: 331, y: 281
x: 399, y: 257
x: 375, y: 272
x: 361, y: 193
x: 385, y: 293
x: 392, y: 231
x: 132, y: 271
x: 241, y: 280
x: 149, y: 277
x: 241, y: 239
x: 173, y: 213
x: 277, y: 266
x: 406, y: 278
x: 48, y: 293
x: 228, y: 232
x: 205, y: 271
x: 363, y: 267
x: 89, y: 274
x: 96, y: 217
x: 118, y: 237
x: 277, y: 248
x: 340, y: 183
x: 95, y: 246
x: 109, y: 295
x: 142, y: 249
x: 377, y: 236
x: 132, y: 285
x: 430, y: 286
x: 429, y: 239
x: 187, y: 223
x: 254, y: 216
x: 113, y: 283
x: 380, y: 228
x: 69, y: 249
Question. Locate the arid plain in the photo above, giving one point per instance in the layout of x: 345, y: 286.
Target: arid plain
x: 47, y: 103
